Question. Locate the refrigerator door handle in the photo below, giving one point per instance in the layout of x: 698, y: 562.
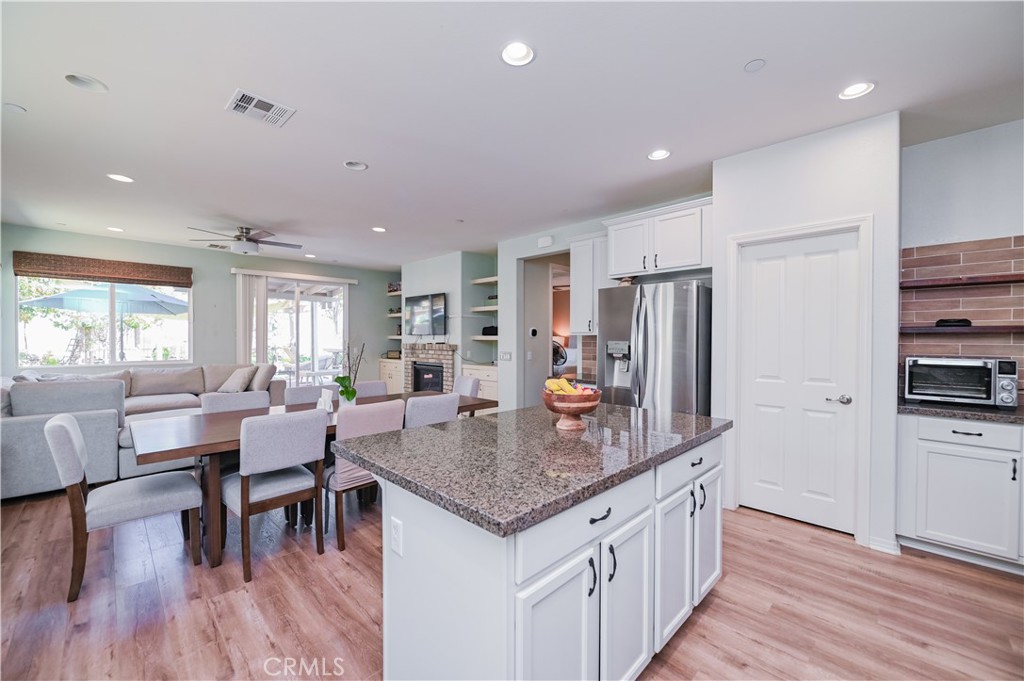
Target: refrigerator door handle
x: 636, y: 344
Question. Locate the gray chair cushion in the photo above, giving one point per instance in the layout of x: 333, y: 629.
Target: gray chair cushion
x: 142, y: 497
x: 371, y: 388
x: 309, y: 394
x: 67, y: 448
x: 344, y: 475
x: 265, y: 486
x: 467, y: 385
x: 214, y: 403
x: 425, y: 411
x: 278, y: 441
x: 238, y: 381
x: 143, y: 404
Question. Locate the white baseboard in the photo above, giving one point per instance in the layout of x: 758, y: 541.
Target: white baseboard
x: 1016, y: 568
x: 890, y: 546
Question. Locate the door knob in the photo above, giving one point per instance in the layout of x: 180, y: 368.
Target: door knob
x: 842, y: 399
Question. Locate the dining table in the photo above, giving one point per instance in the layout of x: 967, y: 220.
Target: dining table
x: 209, y: 436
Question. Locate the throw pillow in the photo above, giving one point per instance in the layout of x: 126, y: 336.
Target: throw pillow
x: 238, y: 381
x: 264, y: 374
x: 27, y: 376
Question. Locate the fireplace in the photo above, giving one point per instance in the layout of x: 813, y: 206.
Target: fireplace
x: 432, y: 354
x: 427, y: 376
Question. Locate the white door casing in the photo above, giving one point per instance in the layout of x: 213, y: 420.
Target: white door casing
x: 798, y: 339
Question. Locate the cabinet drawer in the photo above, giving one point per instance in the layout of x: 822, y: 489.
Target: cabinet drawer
x: 973, y: 433
x: 547, y: 542
x: 683, y: 469
x: 484, y: 373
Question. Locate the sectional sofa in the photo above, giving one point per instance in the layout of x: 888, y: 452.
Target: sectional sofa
x: 104, y: 406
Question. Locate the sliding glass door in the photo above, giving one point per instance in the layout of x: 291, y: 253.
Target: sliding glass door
x: 306, y: 329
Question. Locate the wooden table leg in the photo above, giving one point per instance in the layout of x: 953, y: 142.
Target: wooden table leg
x: 211, y: 509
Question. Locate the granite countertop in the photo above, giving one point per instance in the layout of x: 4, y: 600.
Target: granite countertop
x: 509, y: 471
x: 961, y: 411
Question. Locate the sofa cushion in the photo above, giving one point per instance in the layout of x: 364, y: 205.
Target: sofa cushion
x: 264, y: 374
x: 124, y: 376
x: 5, y: 395
x: 164, y: 381
x: 49, y: 398
x: 124, y: 438
x: 238, y: 381
x: 141, y: 404
x: 27, y: 376
x: 214, y: 375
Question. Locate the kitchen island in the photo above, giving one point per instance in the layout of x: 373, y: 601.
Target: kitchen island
x: 516, y: 550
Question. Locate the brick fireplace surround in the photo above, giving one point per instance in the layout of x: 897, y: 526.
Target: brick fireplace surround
x: 432, y: 353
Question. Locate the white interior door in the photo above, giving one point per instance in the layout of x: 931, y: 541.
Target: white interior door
x: 798, y: 321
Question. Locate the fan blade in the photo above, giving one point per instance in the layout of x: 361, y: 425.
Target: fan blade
x: 198, y: 229
x: 259, y: 234
x: 212, y: 239
x: 275, y: 243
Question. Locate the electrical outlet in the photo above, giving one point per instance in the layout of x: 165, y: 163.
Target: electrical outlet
x: 396, y: 535
x: 469, y: 354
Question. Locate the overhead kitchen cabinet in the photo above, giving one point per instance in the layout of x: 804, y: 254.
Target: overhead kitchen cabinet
x: 588, y: 272
x: 668, y: 239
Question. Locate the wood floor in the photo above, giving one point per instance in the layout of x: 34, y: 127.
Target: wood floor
x: 795, y: 602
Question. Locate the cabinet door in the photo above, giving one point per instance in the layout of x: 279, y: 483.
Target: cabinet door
x: 673, y: 564
x: 627, y: 249
x: 676, y: 240
x: 581, y: 287
x: 557, y: 622
x: 626, y: 598
x: 968, y: 497
x: 707, y: 533
x: 601, y: 279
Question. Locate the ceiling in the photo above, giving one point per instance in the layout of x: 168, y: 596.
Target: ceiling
x: 463, y: 150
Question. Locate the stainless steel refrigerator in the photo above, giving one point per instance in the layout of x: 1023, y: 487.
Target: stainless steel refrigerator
x: 654, y: 346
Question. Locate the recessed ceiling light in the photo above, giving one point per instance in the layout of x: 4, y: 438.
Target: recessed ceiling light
x: 310, y: 255
x: 856, y: 90
x: 754, y: 65
x: 11, y: 107
x: 119, y: 178
x: 86, y: 82
x: 517, y: 54
x: 379, y: 229
x: 659, y: 154
x: 356, y: 165
x: 114, y: 229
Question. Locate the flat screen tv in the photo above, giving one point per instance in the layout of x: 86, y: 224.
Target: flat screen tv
x: 425, y: 315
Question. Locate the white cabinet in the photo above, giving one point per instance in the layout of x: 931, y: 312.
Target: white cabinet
x: 627, y: 577
x: 557, y: 622
x: 664, y: 240
x: 488, y: 376
x: 960, y: 484
x: 588, y: 272
x: 392, y: 372
x: 688, y: 536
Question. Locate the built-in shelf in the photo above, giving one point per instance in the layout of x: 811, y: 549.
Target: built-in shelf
x: 493, y: 339
x: 1011, y: 328
x: 485, y: 280
x: 967, y: 280
x: 394, y: 338
x: 394, y: 293
x: 484, y: 308
x: 395, y: 315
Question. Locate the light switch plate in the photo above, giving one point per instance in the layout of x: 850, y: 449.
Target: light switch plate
x: 505, y: 356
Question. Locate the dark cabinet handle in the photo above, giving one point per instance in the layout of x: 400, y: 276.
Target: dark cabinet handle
x: 1014, y: 476
x: 693, y: 505
x: 703, y: 496
x: 593, y: 571
x: 697, y: 462
x: 615, y: 563
x: 604, y: 517
x: 655, y: 261
x: 645, y: 262
x: 964, y: 432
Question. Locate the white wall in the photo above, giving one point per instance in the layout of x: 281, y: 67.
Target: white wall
x: 840, y: 173
x: 965, y: 187
x: 213, y: 290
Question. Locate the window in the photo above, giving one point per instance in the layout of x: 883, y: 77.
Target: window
x: 76, y: 311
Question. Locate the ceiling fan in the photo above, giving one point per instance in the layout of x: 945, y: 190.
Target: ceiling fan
x: 246, y: 241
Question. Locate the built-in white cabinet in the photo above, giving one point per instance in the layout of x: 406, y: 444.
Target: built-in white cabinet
x: 392, y: 372
x: 667, y: 239
x: 588, y: 272
x: 688, y: 536
x: 960, y: 484
x: 627, y: 583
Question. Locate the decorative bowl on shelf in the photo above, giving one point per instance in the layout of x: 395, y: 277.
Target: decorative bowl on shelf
x: 571, y: 407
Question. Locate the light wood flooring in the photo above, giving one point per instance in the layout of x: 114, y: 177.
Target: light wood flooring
x: 795, y: 602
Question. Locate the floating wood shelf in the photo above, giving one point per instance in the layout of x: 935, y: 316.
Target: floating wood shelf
x: 394, y: 338
x: 485, y: 280
x: 395, y: 315
x: 485, y: 338
x: 1011, y: 328
x: 394, y: 293
x: 968, y: 280
x: 484, y: 308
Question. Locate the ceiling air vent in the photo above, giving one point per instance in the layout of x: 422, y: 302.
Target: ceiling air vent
x: 217, y: 246
x: 254, y: 106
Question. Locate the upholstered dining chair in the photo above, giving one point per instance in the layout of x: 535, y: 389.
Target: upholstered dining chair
x: 466, y: 385
x: 308, y: 394
x: 213, y: 403
x: 117, y: 502
x: 345, y: 476
x: 430, y: 409
x: 273, y: 449
x: 371, y: 388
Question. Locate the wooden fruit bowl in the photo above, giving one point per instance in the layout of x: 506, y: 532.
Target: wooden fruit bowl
x: 571, y: 407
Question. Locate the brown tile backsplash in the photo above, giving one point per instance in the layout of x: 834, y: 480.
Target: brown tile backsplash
x: 588, y: 358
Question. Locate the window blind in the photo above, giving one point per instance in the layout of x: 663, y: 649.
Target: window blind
x: 28, y: 264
